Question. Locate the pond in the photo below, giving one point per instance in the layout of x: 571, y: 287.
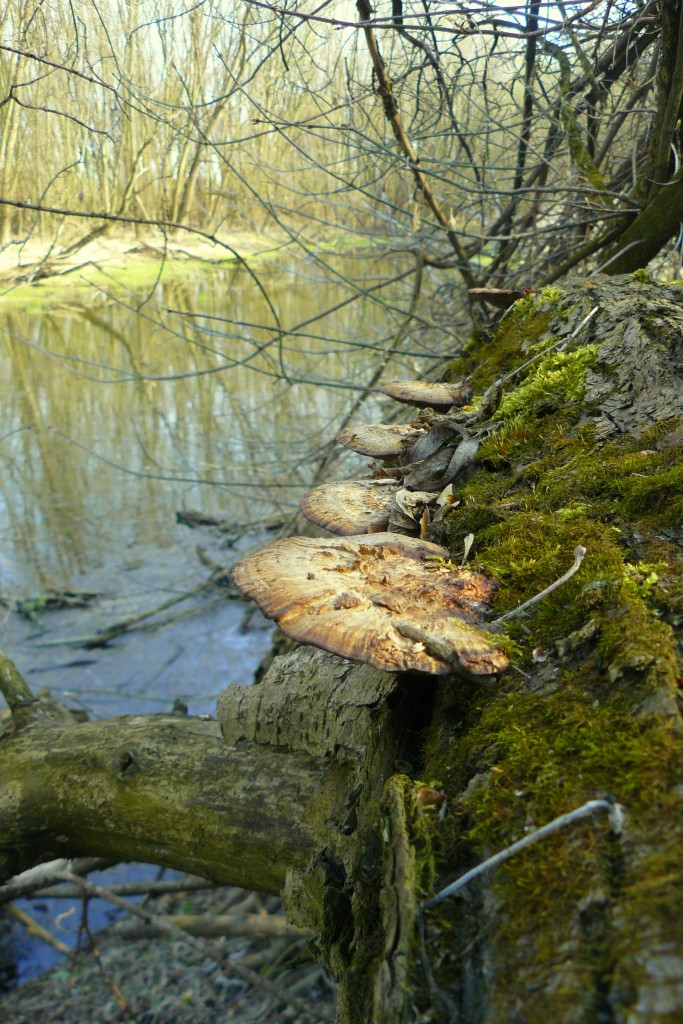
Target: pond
x: 216, y: 393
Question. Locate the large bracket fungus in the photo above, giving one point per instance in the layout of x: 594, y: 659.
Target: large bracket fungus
x: 388, y: 600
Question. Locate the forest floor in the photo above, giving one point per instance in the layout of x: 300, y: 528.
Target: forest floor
x: 166, y: 981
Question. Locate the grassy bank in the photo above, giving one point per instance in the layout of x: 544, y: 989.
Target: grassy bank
x: 38, y: 275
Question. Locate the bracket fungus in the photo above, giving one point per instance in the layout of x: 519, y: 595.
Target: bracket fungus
x: 347, y: 507
x: 377, y: 599
x: 501, y: 298
x: 379, y: 440
x: 427, y: 394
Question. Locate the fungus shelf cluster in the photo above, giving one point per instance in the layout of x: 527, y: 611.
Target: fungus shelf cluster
x: 376, y: 592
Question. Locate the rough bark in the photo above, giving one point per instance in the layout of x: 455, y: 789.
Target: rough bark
x: 314, y: 784
x: 587, y: 926
x: 658, y: 190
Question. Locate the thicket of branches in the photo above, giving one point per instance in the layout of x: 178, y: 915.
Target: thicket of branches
x: 512, y: 141
x: 470, y: 143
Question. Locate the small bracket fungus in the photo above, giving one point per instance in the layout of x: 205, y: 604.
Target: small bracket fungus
x: 348, y: 507
x: 375, y: 599
x: 427, y: 394
x: 379, y: 440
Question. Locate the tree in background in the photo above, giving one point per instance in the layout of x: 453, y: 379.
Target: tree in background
x: 511, y: 142
x: 495, y: 147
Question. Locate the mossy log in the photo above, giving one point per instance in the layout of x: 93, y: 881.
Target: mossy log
x: 314, y: 785
x: 168, y: 789
x: 587, y: 450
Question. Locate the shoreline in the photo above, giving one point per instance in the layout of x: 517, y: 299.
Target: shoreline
x: 39, y: 274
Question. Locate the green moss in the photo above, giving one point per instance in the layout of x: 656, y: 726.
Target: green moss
x: 527, y: 524
x: 554, y: 385
x: 558, y: 377
x: 526, y: 320
x: 551, y: 294
x: 534, y: 757
x: 602, y: 721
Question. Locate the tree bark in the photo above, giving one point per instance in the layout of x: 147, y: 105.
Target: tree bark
x: 314, y: 785
x: 654, y: 226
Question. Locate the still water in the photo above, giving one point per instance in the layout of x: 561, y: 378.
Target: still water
x: 216, y: 394
x: 116, y: 416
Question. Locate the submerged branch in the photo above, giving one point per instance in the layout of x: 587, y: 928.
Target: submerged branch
x: 206, y: 950
x: 213, y: 926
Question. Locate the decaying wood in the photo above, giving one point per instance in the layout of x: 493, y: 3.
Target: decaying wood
x: 311, y: 785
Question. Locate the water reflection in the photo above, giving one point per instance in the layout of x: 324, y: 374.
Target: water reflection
x: 116, y: 416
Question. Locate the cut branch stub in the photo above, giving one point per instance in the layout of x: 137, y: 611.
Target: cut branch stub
x: 427, y: 394
x: 375, y: 599
x: 379, y: 440
x: 348, y: 507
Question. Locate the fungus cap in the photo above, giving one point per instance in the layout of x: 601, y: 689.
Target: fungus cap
x: 348, y: 507
x: 379, y: 440
x: 375, y: 599
x: 426, y: 394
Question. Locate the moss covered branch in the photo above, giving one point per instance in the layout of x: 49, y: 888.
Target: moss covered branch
x: 13, y: 686
x: 164, y: 789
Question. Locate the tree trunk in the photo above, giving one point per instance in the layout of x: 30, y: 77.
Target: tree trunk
x: 317, y: 784
x: 654, y: 226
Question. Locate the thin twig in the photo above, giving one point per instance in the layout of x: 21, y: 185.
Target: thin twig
x: 611, y: 807
x: 561, y: 343
x: 386, y: 91
x: 37, y: 930
x: 44, y: 881
x: 84, y: 929
x: 206, y: 949
x: 579, y: 553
